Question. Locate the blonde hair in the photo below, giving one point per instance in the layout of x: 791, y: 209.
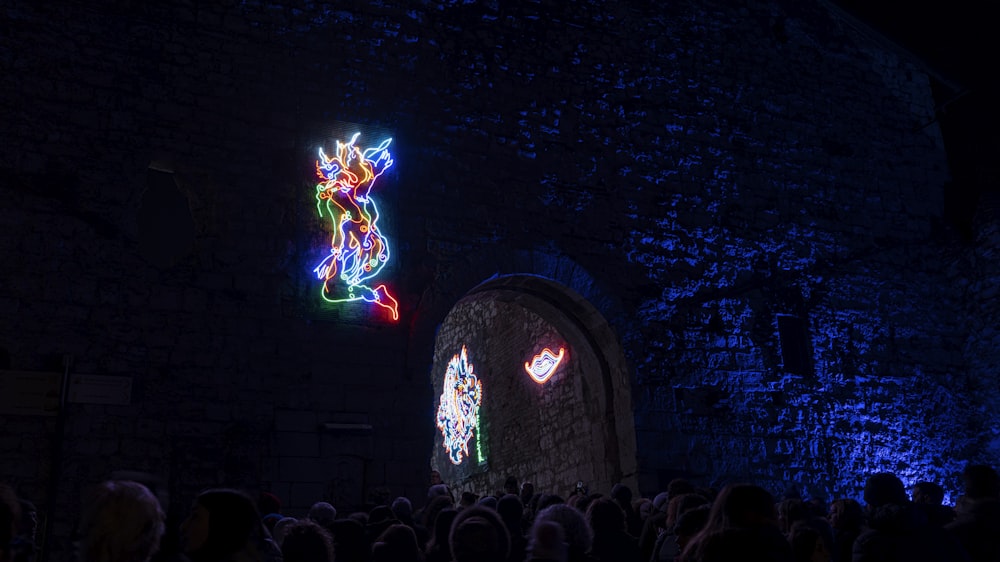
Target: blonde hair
x: 122, y: 522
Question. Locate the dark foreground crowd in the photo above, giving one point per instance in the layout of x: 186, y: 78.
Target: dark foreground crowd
x: 123, y: 522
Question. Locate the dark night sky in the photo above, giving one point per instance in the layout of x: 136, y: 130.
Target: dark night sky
x: 958, y: 39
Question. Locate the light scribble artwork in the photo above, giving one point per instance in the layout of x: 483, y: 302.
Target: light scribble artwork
x: 542, y: 366
x: 458, y: 410
x: 358, y: 251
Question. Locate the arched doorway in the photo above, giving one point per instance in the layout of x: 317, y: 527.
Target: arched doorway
x: 575, y: 425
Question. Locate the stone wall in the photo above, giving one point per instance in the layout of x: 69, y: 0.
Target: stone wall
x: 704, y: 167
x: 577, y: 424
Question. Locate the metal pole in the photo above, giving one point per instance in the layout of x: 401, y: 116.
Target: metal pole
x: 55, y: 466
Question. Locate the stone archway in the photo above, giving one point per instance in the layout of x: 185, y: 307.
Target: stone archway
x: 576, y: 426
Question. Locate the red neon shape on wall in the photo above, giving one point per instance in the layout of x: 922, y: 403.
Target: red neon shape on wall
x: 542, y: 366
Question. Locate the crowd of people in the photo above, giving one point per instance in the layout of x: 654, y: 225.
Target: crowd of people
x: 123, y: 522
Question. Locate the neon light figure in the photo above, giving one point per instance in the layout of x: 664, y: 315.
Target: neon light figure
x: 458, y: 411
x: 543, y: 365
x: 358, y: 251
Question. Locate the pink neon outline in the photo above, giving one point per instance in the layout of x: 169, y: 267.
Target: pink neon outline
x: 544, y: 365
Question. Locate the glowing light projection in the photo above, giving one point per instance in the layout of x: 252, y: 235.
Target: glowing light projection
x: 458, y: 411
x: 358, y: 251
x: 544, y: 365
x: 479, y: 439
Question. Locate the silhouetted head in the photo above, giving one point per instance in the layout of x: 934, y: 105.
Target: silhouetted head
x: 402, y: 509
x: 679, y: 486
x: 349, y: 540
x: 510, y: 485
x: 488, y: 501
x: 677, y: 506
x: 846, y: 514
x: 578, y: 534
x: 121, y: 522
x: 807, y: 543
x: 434, y: 507
x: 885, y: 488
x: 307, y: 541
x: 442, y: 530
x: 548, y: 542
x: 742, y: 506
x: 322, y: 513
x: 527, y: 491
x: 468, y: 499
x: 280, y: 526
x: 511, y: 510
x: 605, y: 516
x: 621, y: 494
x: 478, y: 535
x: 981, y: 481
x: 690, y: 523
x: 221, y: 523
x: 927, y: 493
x: 398, y: 543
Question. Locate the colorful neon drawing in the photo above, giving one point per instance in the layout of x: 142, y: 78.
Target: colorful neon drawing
x: 543, y: 365
x: 358, y: 251
x: 458, y: 412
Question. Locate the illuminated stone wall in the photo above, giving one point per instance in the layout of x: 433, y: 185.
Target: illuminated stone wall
x: 694, y: 169
x: 577, y: 425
